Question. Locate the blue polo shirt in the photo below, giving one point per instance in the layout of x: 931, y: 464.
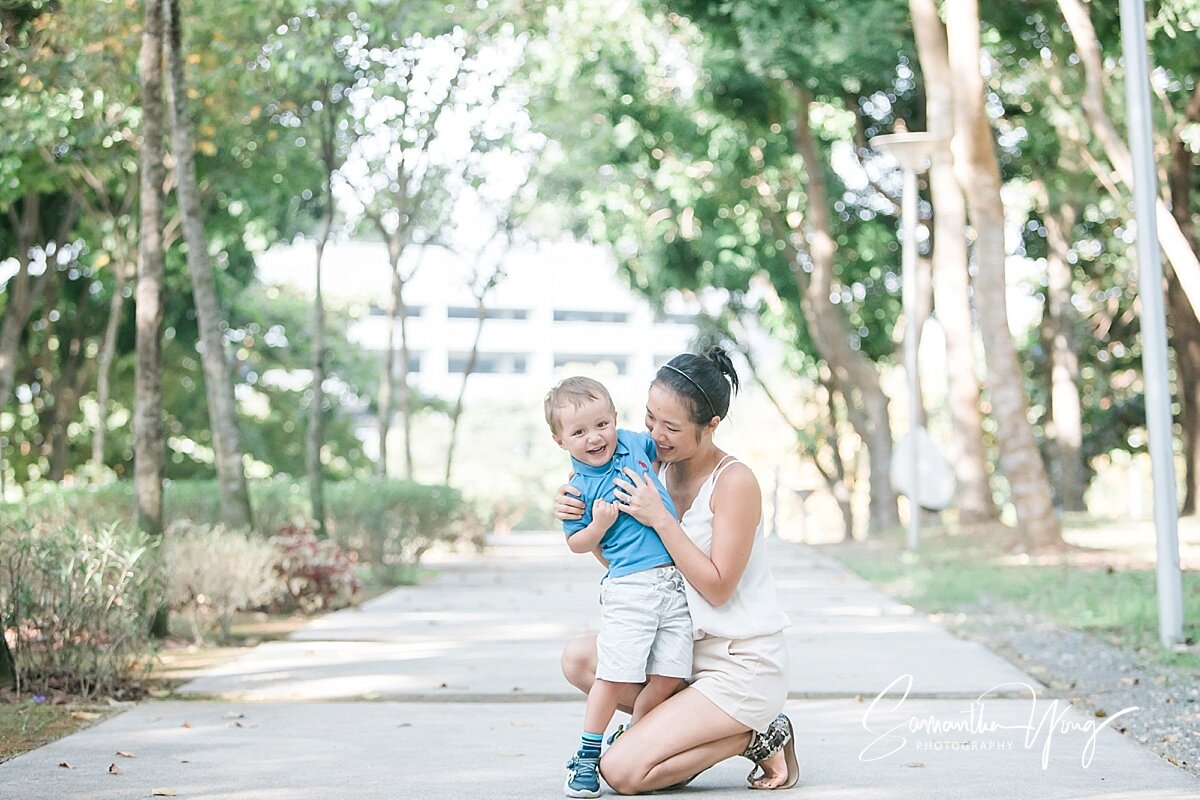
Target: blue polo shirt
x: 628, y: 546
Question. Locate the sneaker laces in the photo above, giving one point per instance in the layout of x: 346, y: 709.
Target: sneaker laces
x: 583, y: 767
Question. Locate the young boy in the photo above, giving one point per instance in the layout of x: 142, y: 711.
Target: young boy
x: 645, y: 629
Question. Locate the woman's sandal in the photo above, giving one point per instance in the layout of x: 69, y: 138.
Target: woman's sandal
x: 778, y: 736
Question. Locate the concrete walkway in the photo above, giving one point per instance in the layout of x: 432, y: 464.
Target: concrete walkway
x: 452, y: 690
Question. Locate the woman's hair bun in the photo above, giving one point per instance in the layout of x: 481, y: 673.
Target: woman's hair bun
x: 718, y: 356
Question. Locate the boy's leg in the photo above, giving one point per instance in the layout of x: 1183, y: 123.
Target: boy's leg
x: 657, y: 689
x: 583, y: 777
x: 601, y: 705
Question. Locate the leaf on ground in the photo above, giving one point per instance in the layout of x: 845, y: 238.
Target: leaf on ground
x: 84, y: 716
x: 915, y: 765
x: 521, y: 723
x: 65, y: 765
x: 163, y: 792
x: 125, y: 754
x: 113, y: 769
x: 235, y: 715
x: 186, y: 724
x: 237, y: 724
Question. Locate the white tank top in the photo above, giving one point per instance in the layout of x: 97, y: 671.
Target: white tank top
x: 753, y: 609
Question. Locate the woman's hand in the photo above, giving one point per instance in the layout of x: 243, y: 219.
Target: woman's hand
x: 639, y: 498
x: 567, y: 505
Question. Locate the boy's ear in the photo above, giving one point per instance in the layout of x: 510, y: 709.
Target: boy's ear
x: 558, y: 440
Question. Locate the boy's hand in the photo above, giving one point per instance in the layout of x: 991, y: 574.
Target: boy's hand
x: 604, y: 513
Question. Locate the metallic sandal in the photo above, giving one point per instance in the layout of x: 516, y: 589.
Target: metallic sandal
x: 778, y: 736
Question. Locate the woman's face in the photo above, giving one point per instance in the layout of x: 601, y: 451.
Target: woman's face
x: 670, y: 426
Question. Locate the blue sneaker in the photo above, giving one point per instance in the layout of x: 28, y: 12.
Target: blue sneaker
x: 583, y: 777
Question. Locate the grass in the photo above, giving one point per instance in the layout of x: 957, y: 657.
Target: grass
x: 1101, y: 591
x: 25, y: 725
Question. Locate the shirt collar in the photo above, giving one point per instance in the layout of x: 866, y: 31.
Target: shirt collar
x: 604, y: 469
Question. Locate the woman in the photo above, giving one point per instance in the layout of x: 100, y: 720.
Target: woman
x: 739, y: 668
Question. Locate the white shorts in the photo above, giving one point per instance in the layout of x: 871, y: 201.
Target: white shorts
x: 645, y: 627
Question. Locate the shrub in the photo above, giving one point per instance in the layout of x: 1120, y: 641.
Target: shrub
x: 391, y: 524
x: 212, y: 573
x: 316, y: 573
x: 78, y: 601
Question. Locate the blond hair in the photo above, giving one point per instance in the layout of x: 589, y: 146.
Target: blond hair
x: 574, y: 392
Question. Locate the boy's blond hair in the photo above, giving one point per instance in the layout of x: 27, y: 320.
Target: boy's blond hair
x: 575, y: 392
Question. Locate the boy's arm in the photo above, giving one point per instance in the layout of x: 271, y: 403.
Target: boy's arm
x: 587, y: 538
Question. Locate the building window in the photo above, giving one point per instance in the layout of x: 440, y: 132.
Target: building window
x: 489, y: 363
x: 592, y: 360
x: 380, y: 311
x: 414, y: 361
x: 467, y: 312
x: 574, y: 315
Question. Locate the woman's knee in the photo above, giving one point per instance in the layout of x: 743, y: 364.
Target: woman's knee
x: 623, y: 772
x: 579, y: 661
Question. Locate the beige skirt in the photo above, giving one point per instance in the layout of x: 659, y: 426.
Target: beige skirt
x: 745, y: 678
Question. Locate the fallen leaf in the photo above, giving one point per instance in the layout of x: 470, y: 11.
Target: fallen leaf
x: 520, y: 723
x: 65, y: 765
x: 186, y: 724
x: 163, y: 792
x: 84, y: 716
x: 915, y: 764
x: 242, y: 725
x: 1100, y: 712
x: 125, y: 754
x: 235, y: 715
x: 113, y: 769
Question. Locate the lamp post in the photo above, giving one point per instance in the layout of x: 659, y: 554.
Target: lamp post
x: 912, y: 151
x: 1153, y: 321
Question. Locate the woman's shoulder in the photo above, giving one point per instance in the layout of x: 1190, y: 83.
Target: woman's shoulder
x: 734, y: 477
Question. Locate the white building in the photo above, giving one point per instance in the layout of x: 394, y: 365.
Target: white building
x: 560, y: 309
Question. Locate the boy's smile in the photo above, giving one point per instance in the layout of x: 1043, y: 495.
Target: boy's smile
x: 588, y: 432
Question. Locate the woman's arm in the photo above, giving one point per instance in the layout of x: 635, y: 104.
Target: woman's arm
x: 737, y: 505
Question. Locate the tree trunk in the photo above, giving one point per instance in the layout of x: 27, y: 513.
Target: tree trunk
x: 74, y: 375
x: 108, y: 352
x: 316, y: 412
x: 1185, y: 327
x: 951, y: 282
x: 23, y: 296
x: 978, y: 173
x: 472, y: 360
x: 148, y: 444
x: 853, y: 374
x: 218, y: 382
x: 1180, y: 254
x: 1066, y: 409
x: 387, y: 382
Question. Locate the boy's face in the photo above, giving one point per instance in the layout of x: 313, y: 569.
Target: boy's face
x: 588, y: 432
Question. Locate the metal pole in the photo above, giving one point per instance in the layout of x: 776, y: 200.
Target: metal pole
x: 1153, y: 321
x: 908, y: 216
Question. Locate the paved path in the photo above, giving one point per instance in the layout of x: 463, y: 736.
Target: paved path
x: 452, y: 690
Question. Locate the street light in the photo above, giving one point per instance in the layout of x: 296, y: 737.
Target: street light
x: 1153, y: 322
x: 913, y: 151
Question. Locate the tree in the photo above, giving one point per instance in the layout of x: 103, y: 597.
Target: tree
x: 231, y: 477
x: 973, y: 495
x: 979, y: 175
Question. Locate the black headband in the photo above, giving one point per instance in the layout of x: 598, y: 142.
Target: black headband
x: 692, y: 380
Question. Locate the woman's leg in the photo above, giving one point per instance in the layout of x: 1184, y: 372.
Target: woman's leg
x: 681, y: 737
x: 579, y: 668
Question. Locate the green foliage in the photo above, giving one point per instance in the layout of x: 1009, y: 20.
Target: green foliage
x: 79, y: 599
x: 390, y: 524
